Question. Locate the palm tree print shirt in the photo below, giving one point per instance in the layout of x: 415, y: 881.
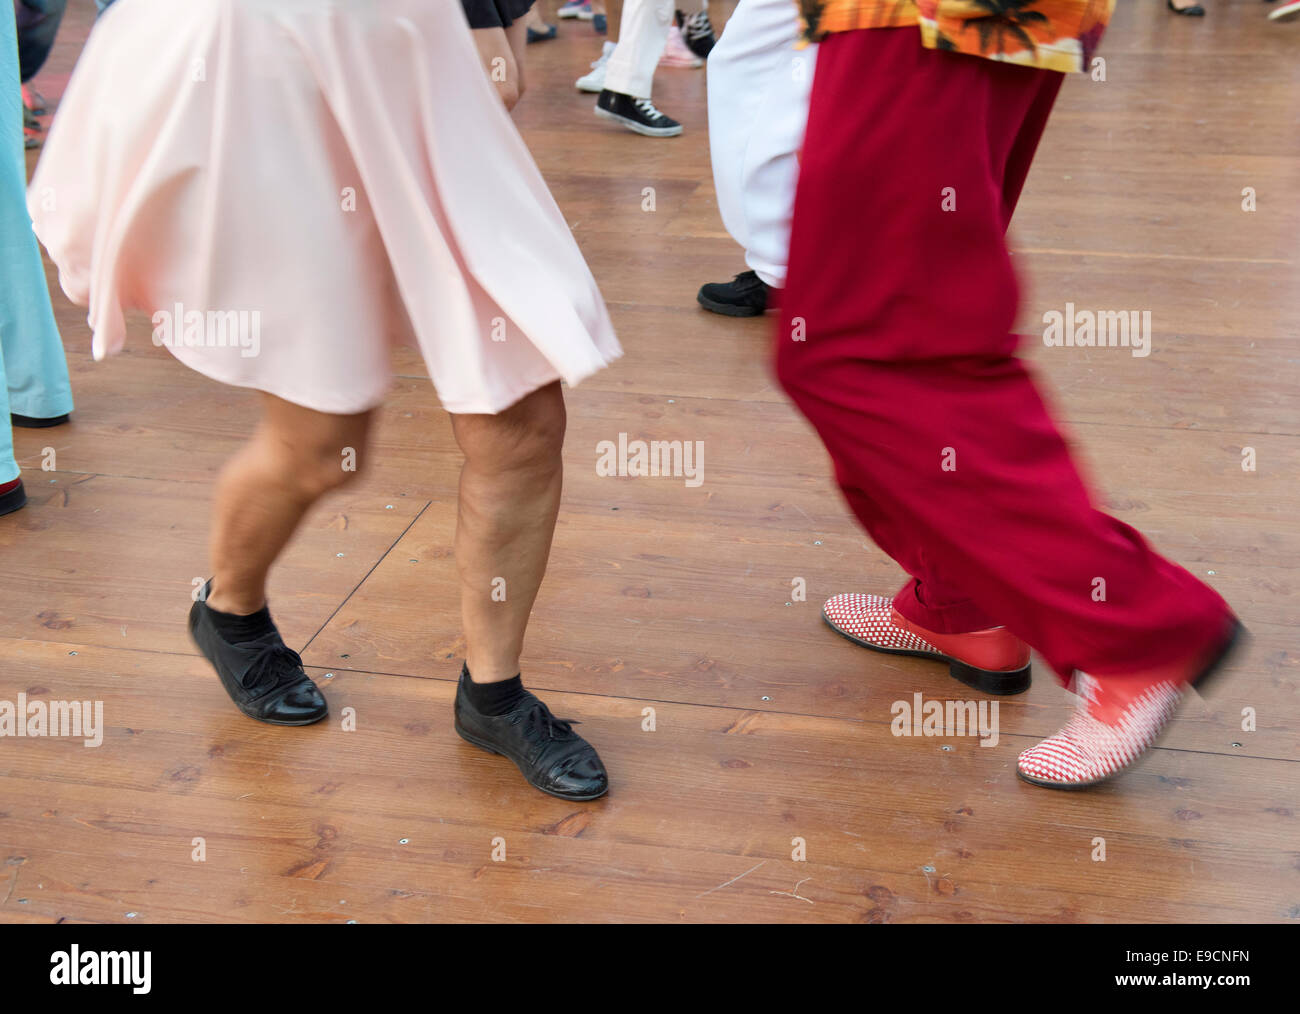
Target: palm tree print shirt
x: 1051, y: 34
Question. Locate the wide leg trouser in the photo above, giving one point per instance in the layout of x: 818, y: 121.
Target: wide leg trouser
x: 907, y: 368
x: 758, y: 107
x: 33, y: 370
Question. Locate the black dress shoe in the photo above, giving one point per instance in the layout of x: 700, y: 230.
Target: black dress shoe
x: 1194, y: 11
x: 32, y: 422
x: 551, y: 756
x: 743, y: 296
x: 264, y: 677
x: 12, y: 497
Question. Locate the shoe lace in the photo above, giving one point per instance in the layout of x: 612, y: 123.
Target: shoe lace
x: 274, y: 660
x: 648, y: 107
x: 698, y: 26
x: 547, y: 726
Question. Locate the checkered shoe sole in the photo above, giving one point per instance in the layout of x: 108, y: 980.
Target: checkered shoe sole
x: 867, y: 620
x: 1088, y: 751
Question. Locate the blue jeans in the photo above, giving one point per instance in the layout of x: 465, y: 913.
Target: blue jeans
x: 33, y: 370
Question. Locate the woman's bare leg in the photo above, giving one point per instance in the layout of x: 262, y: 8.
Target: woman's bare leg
x: 509, y: 497
x: 517, y: 37
x: 295, y: 457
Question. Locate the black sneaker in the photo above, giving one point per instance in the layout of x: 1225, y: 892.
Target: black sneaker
x: 264, y: 677
x: 697, y: 30
x: 549, y: 754
x: 638, y: 115
x: 745, y: 295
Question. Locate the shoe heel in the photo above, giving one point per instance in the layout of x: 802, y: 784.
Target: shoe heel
x: 1233, y: 646
x: 990, y: 682
x: 474, y: 741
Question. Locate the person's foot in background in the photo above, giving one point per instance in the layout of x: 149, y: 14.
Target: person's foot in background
x: 676, y: 54
x: 34, y: 106
x: 638, y: 115
x: 538, y: 30
x: 580, y: 9
x: 34, y: 102
x: 697, y: 31
x: 31, y: 130
x: 594, y: 81
x: 746, y: 295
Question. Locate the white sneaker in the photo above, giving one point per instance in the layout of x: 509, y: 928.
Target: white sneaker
x: 1285, y: 12
x: 595, y: 81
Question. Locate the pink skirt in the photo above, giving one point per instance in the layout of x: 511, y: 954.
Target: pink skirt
x: 291, y: 187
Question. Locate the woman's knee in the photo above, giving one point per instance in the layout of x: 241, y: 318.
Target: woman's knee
x: 528, y: 434
x: 316, y: 452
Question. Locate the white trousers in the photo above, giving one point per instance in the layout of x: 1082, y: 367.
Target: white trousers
x: 758, y: 107
x: 642, y: 35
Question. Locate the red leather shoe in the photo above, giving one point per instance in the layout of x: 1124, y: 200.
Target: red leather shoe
x: 993, y: 661
x: 1119, y: 719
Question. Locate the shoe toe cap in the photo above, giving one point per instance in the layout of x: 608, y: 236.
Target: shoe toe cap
x: 302, y: 704
x: 852, y: 609
x: 582, y: 778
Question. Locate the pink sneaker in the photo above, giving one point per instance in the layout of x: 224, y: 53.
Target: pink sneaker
x: 677, y: 53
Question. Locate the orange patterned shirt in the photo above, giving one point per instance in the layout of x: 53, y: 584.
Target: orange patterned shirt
x: 1051, y: 34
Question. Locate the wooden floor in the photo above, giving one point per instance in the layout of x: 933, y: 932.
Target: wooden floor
x: 768, y: 728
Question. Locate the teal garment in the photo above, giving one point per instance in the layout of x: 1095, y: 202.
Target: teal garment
x: 33, y: 370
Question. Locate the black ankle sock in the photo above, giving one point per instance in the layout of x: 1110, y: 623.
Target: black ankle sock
x: 236, y: 629
x: 495, y: 699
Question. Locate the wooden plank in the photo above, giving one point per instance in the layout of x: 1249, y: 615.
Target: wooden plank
x: 767, y: 726
x: 295, y: 822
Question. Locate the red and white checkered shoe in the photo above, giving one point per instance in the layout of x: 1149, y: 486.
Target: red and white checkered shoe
x: 993, y: 661
x: 1118, y: 721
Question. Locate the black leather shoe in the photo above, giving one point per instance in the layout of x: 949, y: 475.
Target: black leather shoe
x: 32, y: 422
x: 12, y: 496
x: 263, y: 677
x: 550, y: 755
x: 743, y: 296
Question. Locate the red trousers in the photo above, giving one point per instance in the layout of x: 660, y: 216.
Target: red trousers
x: 895, y: 341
